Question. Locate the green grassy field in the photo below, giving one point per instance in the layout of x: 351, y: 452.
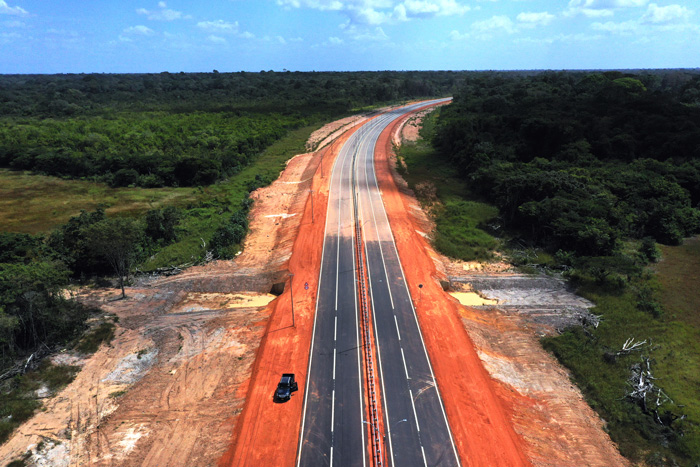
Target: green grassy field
x: 34, y: 204
x: 31, y: 203
x: 458, y: 219
x: 673, y: 349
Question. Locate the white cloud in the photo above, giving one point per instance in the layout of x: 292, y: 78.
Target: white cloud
x: 139, y: 30
x: 14, y: 24
x: 561, y: 38
x: 369, y: 16
x: 219, y: 26
x: 335, y: 40
x: 486, y: 29
x: 362, y: 33
x: 377, y: 12
x: 5, y: 9
x: 626, y: 27
x: 13, y: 35
x: 162, y: 14
x: 458, y: 36
x: 600, y: 8
x: 247, y: 35
x: 494, y: 24
x: 535, y: 19
x: 656, y: 19
x: 666, y: 14
x: 427, y: 8
x: 216, y: 39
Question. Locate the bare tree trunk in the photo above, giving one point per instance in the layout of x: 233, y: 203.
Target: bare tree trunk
x: 121, y: 284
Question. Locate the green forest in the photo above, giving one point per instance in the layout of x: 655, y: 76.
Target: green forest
x: 589, y: 172
x: 167, y: 129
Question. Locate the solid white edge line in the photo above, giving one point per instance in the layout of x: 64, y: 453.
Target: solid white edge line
x: 420, y: 332
x: 313, y: 332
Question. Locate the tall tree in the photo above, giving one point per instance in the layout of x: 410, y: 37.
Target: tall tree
x: 115, y: 240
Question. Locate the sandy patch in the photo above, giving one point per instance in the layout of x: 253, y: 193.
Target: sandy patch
x: 472, y: 299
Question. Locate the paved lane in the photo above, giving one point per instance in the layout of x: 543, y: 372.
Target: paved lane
x: 332, y: 429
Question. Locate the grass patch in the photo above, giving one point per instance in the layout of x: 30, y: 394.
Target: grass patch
x: 460, y: 220
x: 91, y: 341
x: 18, y: 396
x: 674, y: 353
x: 31, y: 203
x: 679, y: 276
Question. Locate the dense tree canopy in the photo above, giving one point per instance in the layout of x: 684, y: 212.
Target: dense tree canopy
x: 166, y: 129
x: 579, y: 161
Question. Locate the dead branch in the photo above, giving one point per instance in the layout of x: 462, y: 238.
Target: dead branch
x: 630, y: 346
x: 644, y: 389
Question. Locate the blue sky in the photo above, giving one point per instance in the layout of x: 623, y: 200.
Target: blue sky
x: 76, y: 36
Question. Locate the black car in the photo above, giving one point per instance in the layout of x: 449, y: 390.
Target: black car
x: 286, y: 387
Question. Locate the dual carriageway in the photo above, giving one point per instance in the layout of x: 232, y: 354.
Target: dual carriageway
x: 361, y: 276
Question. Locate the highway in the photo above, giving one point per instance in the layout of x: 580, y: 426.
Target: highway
x: 334, y: 426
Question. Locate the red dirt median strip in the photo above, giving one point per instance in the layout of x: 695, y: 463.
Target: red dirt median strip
x: 267, y: 433
x: 480, y: 420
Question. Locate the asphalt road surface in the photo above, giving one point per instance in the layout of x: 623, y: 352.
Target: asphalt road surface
x: 333, y: 428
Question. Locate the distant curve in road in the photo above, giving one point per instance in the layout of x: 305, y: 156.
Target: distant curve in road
x: 333, y: 428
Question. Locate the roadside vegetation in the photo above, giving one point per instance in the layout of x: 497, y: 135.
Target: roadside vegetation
x: 461, y: 221
x: 593, y: 176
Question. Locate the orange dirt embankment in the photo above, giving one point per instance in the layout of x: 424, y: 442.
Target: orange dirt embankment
x: 267, y: 433
x: 479, y: 416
